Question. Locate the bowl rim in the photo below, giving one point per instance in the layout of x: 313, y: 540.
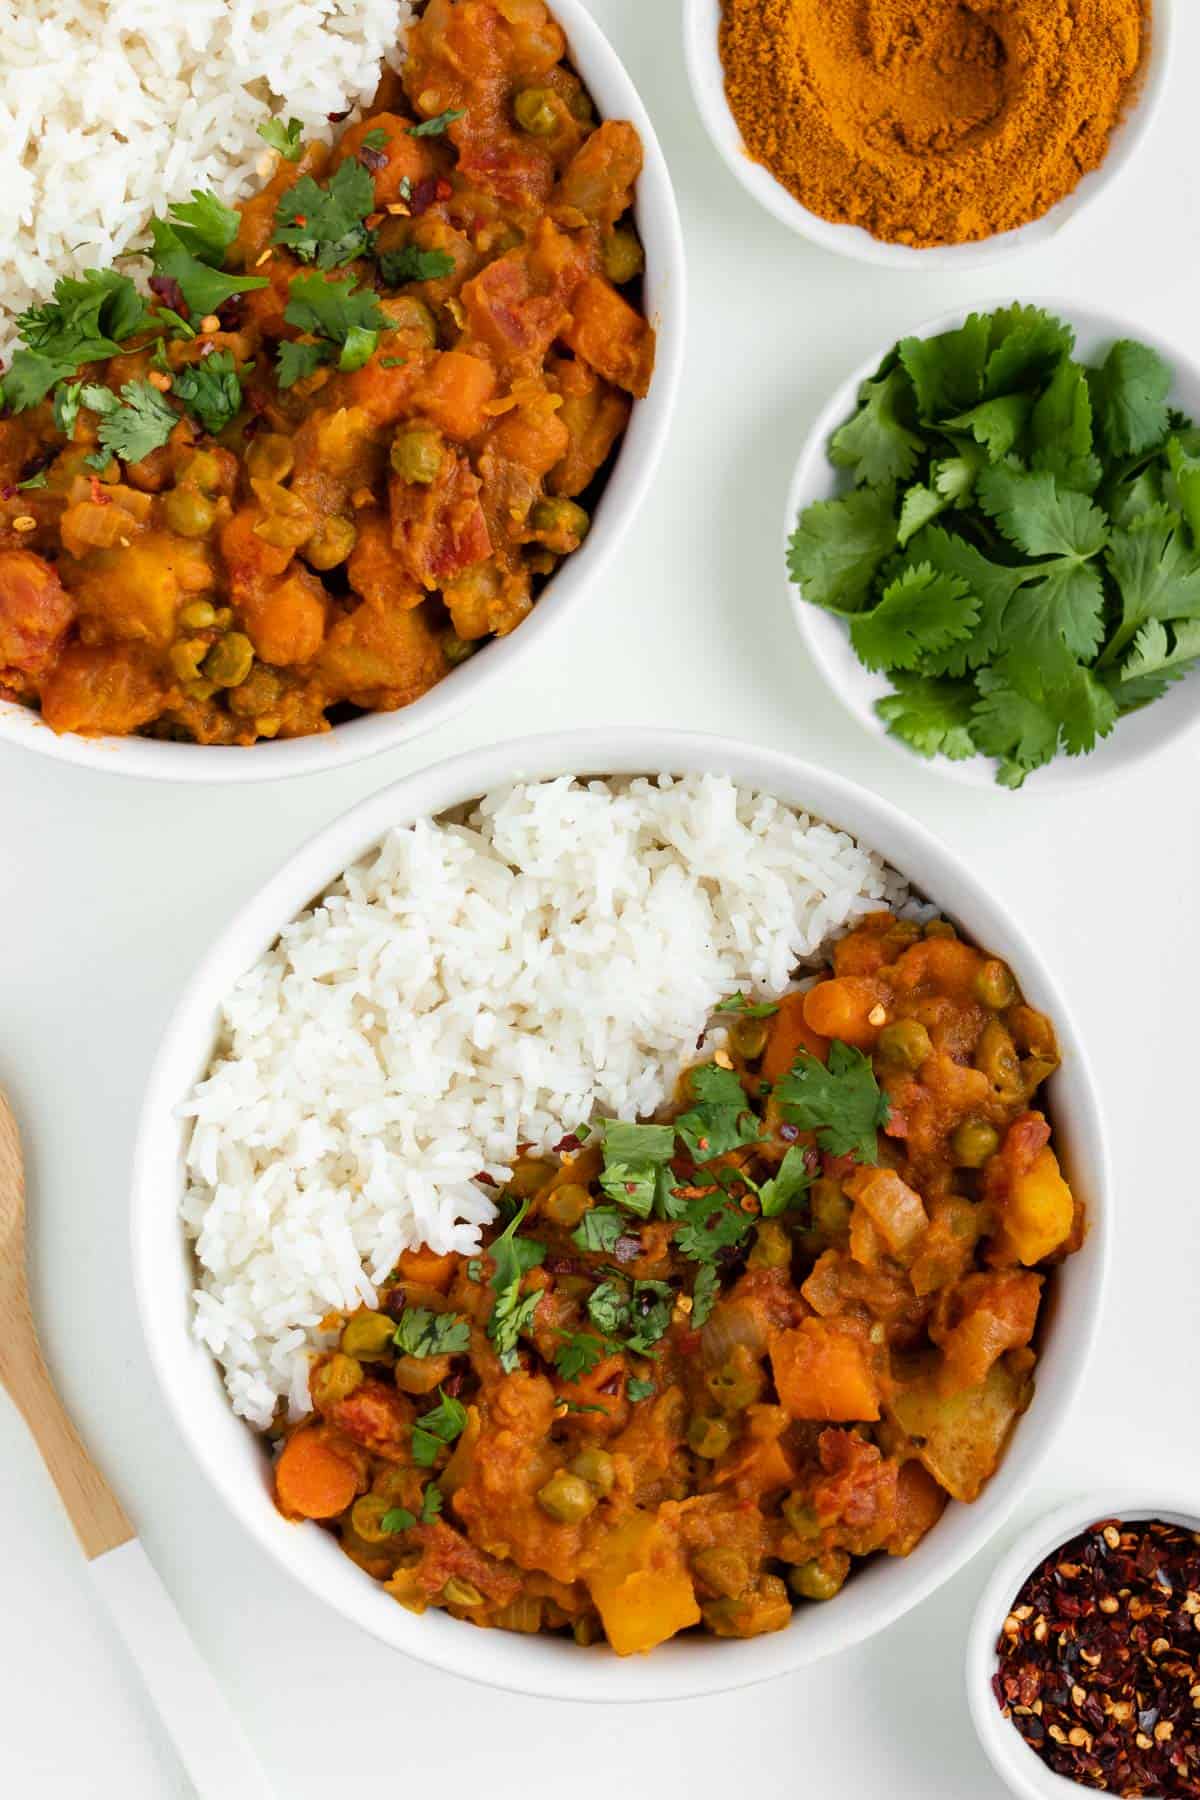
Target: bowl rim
x: 1010, y: 1756
x: 706, y: 78
x: 187, y: 1374
x: 629, y: 483
x: 819, y: 630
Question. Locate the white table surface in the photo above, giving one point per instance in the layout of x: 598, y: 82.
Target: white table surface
x: 108, y: 891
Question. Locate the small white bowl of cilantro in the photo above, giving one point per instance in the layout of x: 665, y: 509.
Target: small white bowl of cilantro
x: 993, y: 545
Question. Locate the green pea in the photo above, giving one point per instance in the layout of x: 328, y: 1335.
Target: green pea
x: 995, y: 986
x: 367, y: 1516
x: 417, y: 455
x: 905, y: 1042
x: 457, y: 650
x: 749, y: 1038
x: 535, y: 111
x: 198, y: 615
x: 622, y: 256
x: 726, y: 1572
x: 270, y: 456
x: 188, y: 512
x: 821, y: 1578
x: 332, y: 544
x: 772, y: 1246
x: 566, y: 1498
x: 709, y: 1438
x: 559, y: 524
x: 595, y: 1466
x: 334, y: 1379
x: 186, y: 656
x: 230, y: 660
x: 368, y: 1335
x: 974, y: 1142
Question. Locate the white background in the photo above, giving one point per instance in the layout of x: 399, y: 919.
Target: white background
x: 109, y: 891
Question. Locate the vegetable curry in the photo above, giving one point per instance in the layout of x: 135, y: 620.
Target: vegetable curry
x: 701, y: 1367
x: 357, y: 425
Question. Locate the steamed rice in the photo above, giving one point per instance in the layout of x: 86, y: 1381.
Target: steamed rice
x: 553, y: 957
x: 112, y: 109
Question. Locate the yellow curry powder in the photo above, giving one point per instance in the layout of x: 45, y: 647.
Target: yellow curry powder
x: 930, y: 121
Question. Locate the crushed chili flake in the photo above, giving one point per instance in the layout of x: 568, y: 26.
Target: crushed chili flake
x: 1099, y: 1660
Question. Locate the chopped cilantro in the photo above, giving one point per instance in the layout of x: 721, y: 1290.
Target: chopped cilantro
x: 436, y: 126
x: 397, y: 1518
x: 324, y: 225
x: 638, y: 1390
x: 411, y: 264
x: 711, y: 1225
x: 720, y: 1118
x: 66, y: 406
x: 746, y: 1009
x: 393, y: 362
x: 837, y: 548
x: 634, y: 1157
x: 932, y: 717
x: 287, y: 139
x: 599, y: 1230
x: 434, y: 1430
x: 344, y: 318
x: 211, y: 390
x: 295, y: 360
x: 577, y: 1355
x: 705, y: 1292
x: 87, y: 318
x: 785, y: 1188
x: 141, y: 421
x: 921, y: 611
x: 637, y: 1314
x: 840, y: 1100
x: 188, y: 247
x: 425, y: 1333
x: 431, y: 1503
x: 35, y: 481
x: 513, y: 1257
x: 376, y: 139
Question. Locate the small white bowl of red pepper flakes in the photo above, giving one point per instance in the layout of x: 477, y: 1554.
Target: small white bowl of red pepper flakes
x: 1083, y: 1659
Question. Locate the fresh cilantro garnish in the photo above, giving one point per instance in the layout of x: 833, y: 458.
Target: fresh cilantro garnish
x: 434, y: 1430
x: 34, y: 481
x: 376, y: 139
x: 324, y: 225
x: 397, y: 1518
x: 211, y: 389
x: 840, y: 1100
x: 287, y: 139
x: 393, y: 362
x: 787, y: 1186
x: 578, y: 1355
x: 709, y: 1226
x: 1016, y: 521
x: 719, y: 1119
x: 513, y: 1257
x: 411, y: 264
x: 747, y: 1009
x: 436, y: 126
x: 638, y: 1390
x: 345, y: 319
x: 705, y: 1293
x: 634, y: 1158
x: 425, y: 1333
x: 188, y: 248
x: 599, y: 1230
x: 1158, y: 658
x: 431, y: 1503
x: 131, y: 427
x: 636, y: 1313
x: 87, y: 319
x: 66, y: 406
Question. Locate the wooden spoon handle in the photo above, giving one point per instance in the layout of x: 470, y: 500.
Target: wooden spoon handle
x: 93, y: 1508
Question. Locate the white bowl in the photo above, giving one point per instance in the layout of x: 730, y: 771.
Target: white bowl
x: 637, y: 460
x: 1011, y: 1757
x: 701, y: 25
x: 827, y: 640
x: 234, y: 1458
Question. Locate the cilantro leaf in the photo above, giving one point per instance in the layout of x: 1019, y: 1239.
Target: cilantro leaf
x: 1129, y: 395
x: 996, y: 424
x: 141, y: 422
x: 710, y: 1224
x: 947, y: 371
x: 720, y: 1118
x: 991, y: 584
x: 636, y: 1390
x: 424, y: 1333
x: 932, y: 717
x: 511, y: 1315
x: 87, y: 319
x: 35, y: 481
x: 706, y: 1290
x: 746, y: 1009
x: 921, y: 612
x: 633, y: 1156
x: 1087, y: 711
x: 1157, y: 576
x: 204, y: 226
x: 336, y: 311
x: 637, y: 1313
x: 287, y: 139
x: 838, y: 545
x: 875, y: 445
x: 431, y: 1503
x: 324, y: 225
x: 411, y: 264
x: 1062, y: 434
x: 397, y: 1518
x: 1157, y: 659
x: 295, y: 360
x: 1014, y: 720
x: 1025, y: 345
x: 608, y: 1307
x: 793, y: 1179
x: 211, y: 389
x: 204, y: 288
x: 578, y: 1355
x: 840, y: 1100
x: 1039, y: 519
x: 599, y: 1230
x: 1056, y: 620
x: 434, y: 1430
x: 952, y: 480
x: 436, y: 126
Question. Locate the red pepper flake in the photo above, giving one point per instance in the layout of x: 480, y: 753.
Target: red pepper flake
x: 300, y: 219
x: 372, y: 159
x: 486, y: 1179
x: 99, y: 496
x: 568, y: 1146
x: 424, y: 193
x: 1099, y: 1661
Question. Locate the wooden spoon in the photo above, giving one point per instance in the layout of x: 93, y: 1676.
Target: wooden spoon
x: 210, y: 1742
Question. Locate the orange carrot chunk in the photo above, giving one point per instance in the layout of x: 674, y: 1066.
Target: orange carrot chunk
x: 311, y: 1480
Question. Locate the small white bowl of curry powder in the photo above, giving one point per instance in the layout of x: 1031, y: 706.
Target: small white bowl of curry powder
x: 927, y: 132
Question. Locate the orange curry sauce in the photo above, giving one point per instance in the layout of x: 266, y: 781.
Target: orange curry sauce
x: 348, y: 538
x: 764, y: 1399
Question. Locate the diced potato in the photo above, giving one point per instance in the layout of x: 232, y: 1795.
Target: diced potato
x: 823, y: 1371
x: 1038, y: 1211
x: 641, y: 1587
x: 960, y: 1437
x: 919, y: 1505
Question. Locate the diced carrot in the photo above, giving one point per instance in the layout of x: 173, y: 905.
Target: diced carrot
x: 311, y: 1480
x: 823, y: 1372
x: 427, y: 1267
x: 842, y: 1008
x: 790, y: 1034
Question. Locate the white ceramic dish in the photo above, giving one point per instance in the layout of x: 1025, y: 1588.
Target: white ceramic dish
x: 1011, y: 1757
x: 1141, y: 734
x: 665, y: 295
x: 701, y: 23
x: 233, y: 1458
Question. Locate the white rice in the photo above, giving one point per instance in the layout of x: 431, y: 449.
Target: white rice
x: 555, y: 957
x: 112, y: 109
